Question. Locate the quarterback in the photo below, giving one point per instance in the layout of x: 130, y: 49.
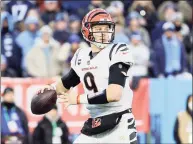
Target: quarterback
x: 103, y: 69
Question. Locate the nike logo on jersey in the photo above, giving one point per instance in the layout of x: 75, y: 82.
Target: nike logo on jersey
x: 125, y: 53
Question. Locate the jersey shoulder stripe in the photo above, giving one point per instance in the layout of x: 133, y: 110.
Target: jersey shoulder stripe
x: 120, y: 46
x: 121, y: 53
x: 111, y: 51
x: 115, y: 48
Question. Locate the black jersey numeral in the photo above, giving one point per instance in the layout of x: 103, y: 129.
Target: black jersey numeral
x: 89, y: 78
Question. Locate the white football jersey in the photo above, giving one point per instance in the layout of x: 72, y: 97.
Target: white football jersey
x: 94, y: 75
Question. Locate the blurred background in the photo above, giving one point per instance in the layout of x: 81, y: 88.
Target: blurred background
x: 39, y: 38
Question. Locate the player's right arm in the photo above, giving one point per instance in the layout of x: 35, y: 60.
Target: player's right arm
x: 65, y: 83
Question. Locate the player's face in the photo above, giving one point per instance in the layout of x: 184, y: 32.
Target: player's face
x: 102, y: 33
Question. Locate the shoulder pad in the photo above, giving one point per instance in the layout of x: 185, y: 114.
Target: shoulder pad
x: 75, y: 58
x: 121, y: 53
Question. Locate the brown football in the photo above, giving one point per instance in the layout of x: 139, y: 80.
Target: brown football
x: 43, y: 102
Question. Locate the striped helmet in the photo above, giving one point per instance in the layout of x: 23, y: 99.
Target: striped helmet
x: 95, y: 17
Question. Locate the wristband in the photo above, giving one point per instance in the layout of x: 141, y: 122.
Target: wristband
x: 98, y: 98
x: 82, y: 99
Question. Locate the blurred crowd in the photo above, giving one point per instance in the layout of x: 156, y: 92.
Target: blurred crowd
x: 39, y: 38
x: 14, y: 125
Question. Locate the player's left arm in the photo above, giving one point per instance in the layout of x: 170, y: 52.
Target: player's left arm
x: 117, y: 79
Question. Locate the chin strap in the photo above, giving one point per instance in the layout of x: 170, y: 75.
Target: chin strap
x: 100, y: 45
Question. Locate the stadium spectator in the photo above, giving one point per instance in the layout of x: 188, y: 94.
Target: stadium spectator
x: 133, y: 24
x: 165, y: 13
x: 119, y: 30
x: 19, y: 9
x: 141, y: 55
x: 183, y: 124
x: 9, y: 48
x: 7, y: 23
x: 51, y: 129
x: 79, y: 7
x: 119, y: 8
x: 61, y: 33
x: 51, y: 9
x: 181, y: 28
x: 147, y: 10
x: 5, y: 70
x: 19, y: 28
x: 35, y: 13
x: 75, y: 25
x: 96, y: 4
x: 69, y: 48
x: 169, y: 53
x: 25, y: 40
x: 74, y: 41
x: 2, y: 6
x: 14, y: 123
x: 46, y: 64
x: 116, y: 10
x: 186, y: 8
x: 188, y: 42
x: 181, y: 6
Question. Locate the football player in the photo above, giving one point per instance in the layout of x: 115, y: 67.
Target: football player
x: 103, y: 70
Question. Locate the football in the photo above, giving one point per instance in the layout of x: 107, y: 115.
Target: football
x: 43, y: 102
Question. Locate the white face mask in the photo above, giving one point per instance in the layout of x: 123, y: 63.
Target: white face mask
x: 190, y: 105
